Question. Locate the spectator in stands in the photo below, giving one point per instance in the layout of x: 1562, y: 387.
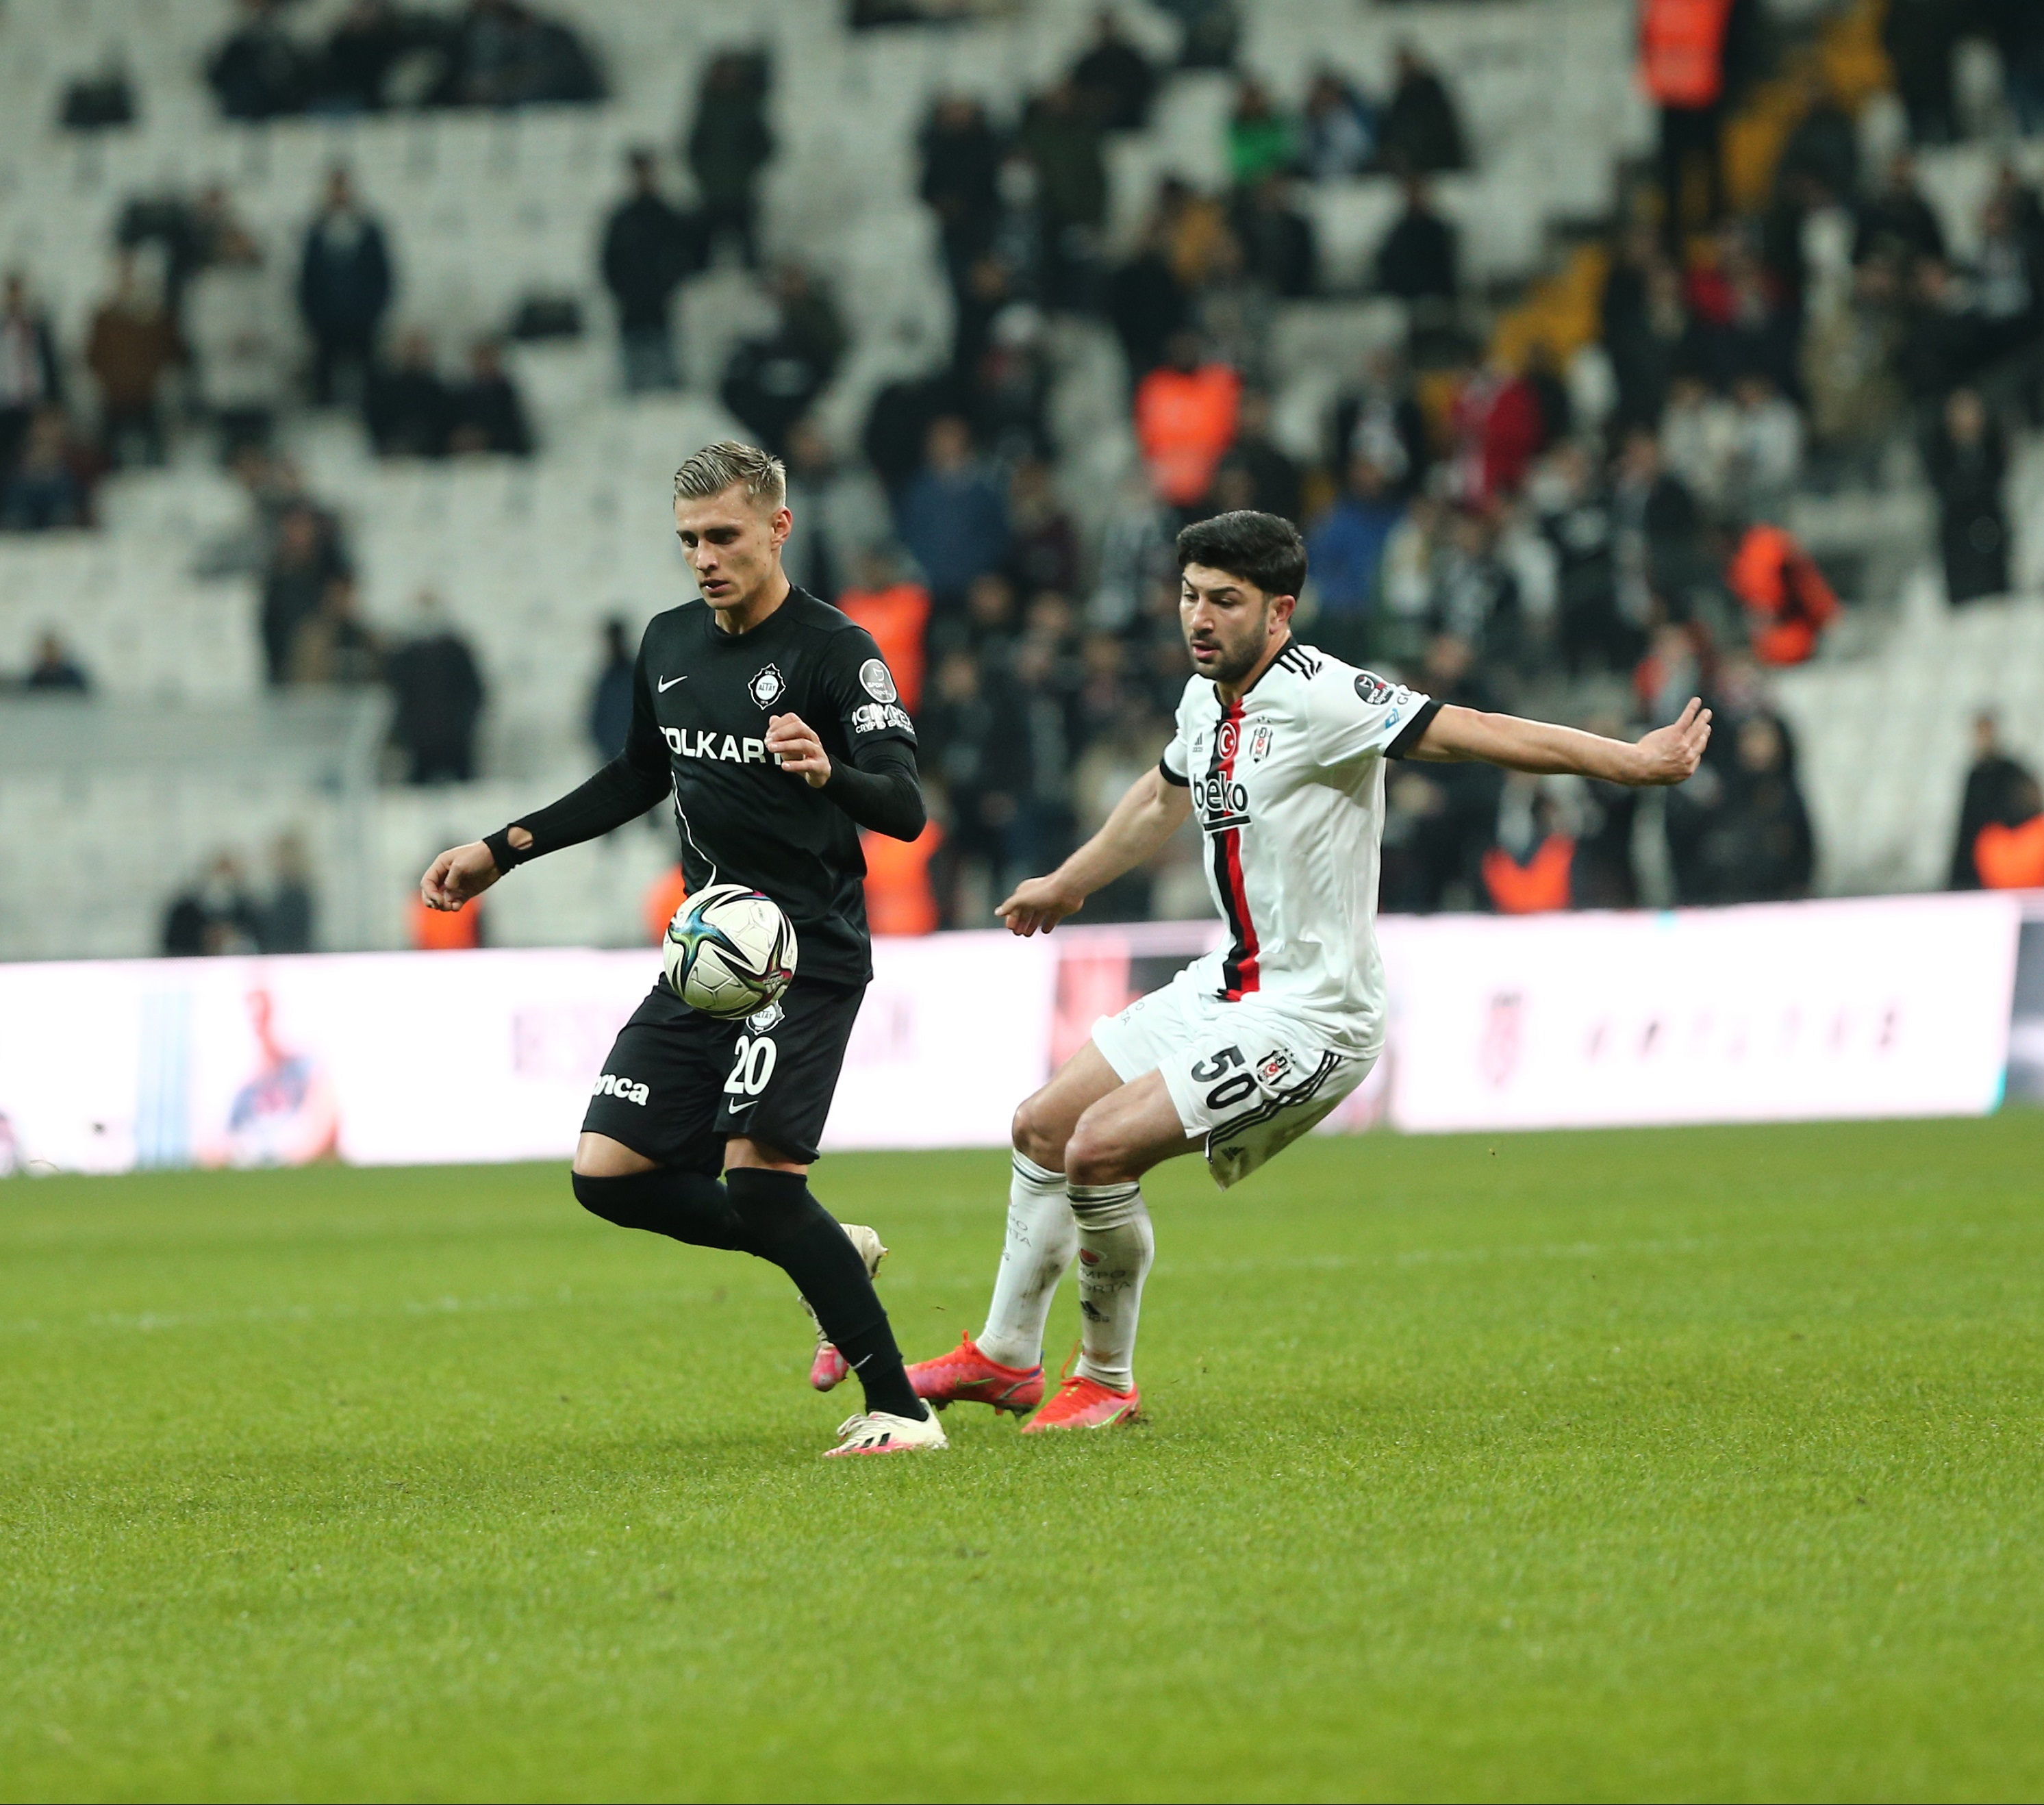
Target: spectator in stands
x: 215, y: 916
x: 1345, y: 551
x: 952, y: 516
x: 896, y: 611
x: 1694, y: 54
x: 1261, y: 141
x: 728, y: 144
x: 1896, y: 221
x: 1966, y: 458
x: 97, y: 101
x: 649, y: 247
x: 1213, y: 29
x: 1377, y: 417
x: 1849, y: 366
x: 233, y: 313
x: 610, y: 696
x: 2007, y: 274
x: 1063, y: 139
x: 44, y: 492
x: 975, y: 737
x: 56, y: 671
x: 1232, y: 312
x: 1531, y: 869
x: 961, y: 157
x: 1419, y: 260
x: 1115, y: 78
x: 486, y: 413
x: 439, y: 693
x: 900, y: 897
x: 344, y: 290
x: 1337, y: 130
x: 1265, y: 477
x: 30, y: 377
x: 1185, y: 415
x: 284, y: 922
x: 771, y: 383
x: 1498, y: 432
x: 1575, y: 516
x: 1043, y: 545
x: 1642, y: 325
x: 366, y: 44
x: 305, y: 558
x: 1788, y: 604
x: 1767, y: 448
x: 1146, y: 303
x: 1421, y: 133
x: 334, y: 645
x: 1755, y: 844
x: 838, y: 512
x: 407, y: 408
x: 1919, y: 37
x: 1279, y: 248
x: 2017, y: 28
x: 2012, y: 857
x: 1656, y: 529
x: 259, y: 72
x: 503, y: 54
x: 133, y: 345
x: 1995, y: 792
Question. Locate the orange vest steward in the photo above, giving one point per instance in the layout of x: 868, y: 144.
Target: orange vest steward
x: 1787, y: 600
x: 1185, y: 420
x: 666, y: 894
x: 443, y: 930
x: 1681, y: 50
x: 1538, y: 886
x: 898, y: 896
x: 2010, y: 859
x: 896, y: 617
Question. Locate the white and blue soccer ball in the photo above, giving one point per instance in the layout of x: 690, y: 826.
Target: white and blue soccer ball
x: 729, y: 952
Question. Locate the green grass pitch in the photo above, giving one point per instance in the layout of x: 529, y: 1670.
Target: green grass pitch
x: 1700, y: 1464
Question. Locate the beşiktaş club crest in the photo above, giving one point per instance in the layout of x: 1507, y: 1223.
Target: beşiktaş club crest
x: 876, y: 681
x: 767, y: 687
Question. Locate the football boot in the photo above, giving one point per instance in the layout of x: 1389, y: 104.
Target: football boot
x: 881, y: 1432
x: 1086, y: 1404
x: 966, y: 1375
x: 828, y: 1370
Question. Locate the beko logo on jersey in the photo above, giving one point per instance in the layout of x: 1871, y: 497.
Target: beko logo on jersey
x: 625, y: 1090
x: 869, y: 717
x: 701, y: 742
x: 1221, y: 802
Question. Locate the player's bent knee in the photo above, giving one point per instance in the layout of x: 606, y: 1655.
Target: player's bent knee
x: 1094, y: 1155
x: 1037, y: 1133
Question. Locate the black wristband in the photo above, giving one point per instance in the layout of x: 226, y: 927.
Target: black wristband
x: 508, y: 856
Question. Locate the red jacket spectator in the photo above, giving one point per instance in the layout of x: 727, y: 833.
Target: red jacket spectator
x: 1681, y: 51
x: 1788, y: 602
x: 666, y: 893
x: 1500, y: 430
x: 444, y: 931
x: 897, y: 616
x: 1538, y: 887
x: 1186, y: 413
x: 899, y: 898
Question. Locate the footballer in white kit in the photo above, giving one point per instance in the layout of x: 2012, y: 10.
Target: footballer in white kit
x: 1280, y: 751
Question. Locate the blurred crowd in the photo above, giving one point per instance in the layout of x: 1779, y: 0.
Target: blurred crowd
x: 1591, y: 518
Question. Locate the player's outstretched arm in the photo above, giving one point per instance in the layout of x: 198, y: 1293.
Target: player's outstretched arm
x: 1142, y: 821
x: 1667, y: 755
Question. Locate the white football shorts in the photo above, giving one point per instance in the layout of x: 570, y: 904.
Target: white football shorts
x: 1248, y: 1078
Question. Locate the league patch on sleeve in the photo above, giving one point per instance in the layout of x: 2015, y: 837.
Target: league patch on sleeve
x: 1372, y: 691
x: 877, y: 680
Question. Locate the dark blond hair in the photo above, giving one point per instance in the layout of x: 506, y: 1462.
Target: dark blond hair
x: 716, y: 467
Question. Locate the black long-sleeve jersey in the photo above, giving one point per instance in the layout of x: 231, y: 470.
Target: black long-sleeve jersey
x: 701, y: 698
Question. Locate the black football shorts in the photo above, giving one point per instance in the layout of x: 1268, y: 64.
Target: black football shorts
x: 678, y: 1084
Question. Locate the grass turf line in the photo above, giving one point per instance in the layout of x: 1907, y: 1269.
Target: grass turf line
x: 1698, y: 1463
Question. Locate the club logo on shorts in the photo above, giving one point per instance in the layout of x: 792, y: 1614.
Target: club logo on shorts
x: 876, y: 681
x: 625, y: 1090
x: 1273, y: 1069
x: 767, y: 687
x: 760, y: 1020
x: 1259, y: 743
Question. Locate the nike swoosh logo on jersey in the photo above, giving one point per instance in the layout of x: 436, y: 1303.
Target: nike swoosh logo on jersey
x: 738, y: 1109
x: 668, y: 683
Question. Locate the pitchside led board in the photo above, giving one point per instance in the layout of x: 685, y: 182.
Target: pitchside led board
x: 1892, y: 1006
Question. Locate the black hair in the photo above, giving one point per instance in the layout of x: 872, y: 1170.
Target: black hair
x: 1262, y: 549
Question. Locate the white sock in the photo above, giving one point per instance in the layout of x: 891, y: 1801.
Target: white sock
x: 1116, y: 1248
x: 1041, y: 1242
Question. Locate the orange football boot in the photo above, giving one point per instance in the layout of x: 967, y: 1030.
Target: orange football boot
x: 966, y: 1375
x: 1086, y: 1404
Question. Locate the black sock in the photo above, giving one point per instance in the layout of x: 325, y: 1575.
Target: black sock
x: 684, y: 1206
x: 789, y: 1227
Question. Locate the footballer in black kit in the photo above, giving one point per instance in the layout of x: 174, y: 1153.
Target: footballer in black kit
x: 771, y: 722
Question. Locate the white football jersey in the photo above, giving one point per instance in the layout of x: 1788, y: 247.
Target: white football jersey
x: 1288, y: 784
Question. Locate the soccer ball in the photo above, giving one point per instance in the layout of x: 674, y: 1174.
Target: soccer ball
x: 729, y: 952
